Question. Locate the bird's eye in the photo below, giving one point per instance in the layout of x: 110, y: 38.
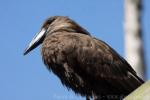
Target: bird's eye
x: 48, y: 22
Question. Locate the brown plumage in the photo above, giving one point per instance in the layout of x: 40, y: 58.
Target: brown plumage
x: 87, y: 65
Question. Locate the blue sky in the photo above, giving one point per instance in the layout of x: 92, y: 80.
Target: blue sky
x: 26, y: 77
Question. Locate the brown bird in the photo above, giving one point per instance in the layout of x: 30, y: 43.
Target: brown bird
x: 87, y: 65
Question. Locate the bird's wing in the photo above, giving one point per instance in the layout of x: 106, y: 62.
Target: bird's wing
x: 99, y: 60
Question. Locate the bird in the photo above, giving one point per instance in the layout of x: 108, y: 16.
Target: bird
x: 84, y: 64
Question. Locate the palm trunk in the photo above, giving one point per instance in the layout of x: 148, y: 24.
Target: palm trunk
x: 133, y: 36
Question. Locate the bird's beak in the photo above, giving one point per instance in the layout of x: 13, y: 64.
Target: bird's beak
x: 37, y: 40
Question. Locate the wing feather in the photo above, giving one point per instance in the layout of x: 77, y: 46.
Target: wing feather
x: 100, y: 61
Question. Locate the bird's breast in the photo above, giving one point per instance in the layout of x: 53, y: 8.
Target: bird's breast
x: 56, y: 48
x: 59, y: 55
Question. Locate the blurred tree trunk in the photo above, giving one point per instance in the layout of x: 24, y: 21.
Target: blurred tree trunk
x: 133, y: 36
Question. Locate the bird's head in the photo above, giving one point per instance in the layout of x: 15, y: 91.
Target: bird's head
x: 52, y: 25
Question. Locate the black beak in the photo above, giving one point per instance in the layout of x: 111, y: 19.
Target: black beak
x: 37, y: 40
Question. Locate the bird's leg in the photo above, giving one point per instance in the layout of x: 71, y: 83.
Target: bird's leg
x: 87, y: 98
x: 94, y: 97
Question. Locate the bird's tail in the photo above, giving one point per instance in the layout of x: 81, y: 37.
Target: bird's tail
x: 134, y: 81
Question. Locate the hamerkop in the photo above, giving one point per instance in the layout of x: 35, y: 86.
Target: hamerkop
x: 83, y: 63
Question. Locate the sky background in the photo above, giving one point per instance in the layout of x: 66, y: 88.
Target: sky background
x: 26, y: 77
